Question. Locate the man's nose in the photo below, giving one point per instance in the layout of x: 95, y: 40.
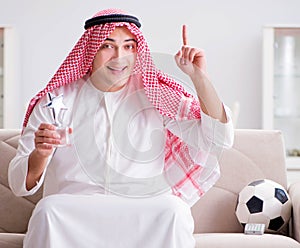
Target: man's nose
x: 119, y: 53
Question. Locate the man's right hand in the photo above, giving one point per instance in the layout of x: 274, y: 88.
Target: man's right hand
x: 45, y: 140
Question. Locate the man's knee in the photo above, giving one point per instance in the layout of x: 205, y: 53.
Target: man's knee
x: 47, y: 205
x: 175, y: 206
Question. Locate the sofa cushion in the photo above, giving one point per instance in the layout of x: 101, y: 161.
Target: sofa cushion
x: 10, y: 240
x: 256, y: 154
x: 238, y: 240
x: 15, y: 213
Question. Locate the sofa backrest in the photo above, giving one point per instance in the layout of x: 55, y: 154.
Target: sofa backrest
x: 14, y: 211
x: 256, y: 154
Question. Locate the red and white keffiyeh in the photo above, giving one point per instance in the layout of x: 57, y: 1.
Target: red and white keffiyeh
x: 164, y: 93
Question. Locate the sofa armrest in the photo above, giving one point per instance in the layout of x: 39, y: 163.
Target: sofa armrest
x: 294, y: 192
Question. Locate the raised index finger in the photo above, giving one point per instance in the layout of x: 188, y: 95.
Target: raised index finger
x: 184, y: 35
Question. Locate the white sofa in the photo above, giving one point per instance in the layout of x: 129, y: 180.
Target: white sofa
x: 256, y: 154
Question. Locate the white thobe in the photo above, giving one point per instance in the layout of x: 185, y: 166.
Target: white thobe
x: 107, y: 189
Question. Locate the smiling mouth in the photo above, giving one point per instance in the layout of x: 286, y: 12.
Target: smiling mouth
x: 116, y: 69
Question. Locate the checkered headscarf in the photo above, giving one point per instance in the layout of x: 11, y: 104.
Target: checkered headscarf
x: 169, y: 97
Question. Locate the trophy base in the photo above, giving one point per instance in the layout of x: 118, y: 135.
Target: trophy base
x: 64, y: 136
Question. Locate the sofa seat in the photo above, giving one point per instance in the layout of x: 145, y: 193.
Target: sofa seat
x: 204, y: 240
x: 11, y: 240
x: 240, y: 240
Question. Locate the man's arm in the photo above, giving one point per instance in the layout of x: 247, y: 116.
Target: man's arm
x: 35, y: 149
x: 45, y: 140
x: 192, y: 62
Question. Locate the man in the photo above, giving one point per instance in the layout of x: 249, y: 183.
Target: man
x: 140, y: 154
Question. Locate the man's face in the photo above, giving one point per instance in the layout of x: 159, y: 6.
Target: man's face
x: 115, y: 60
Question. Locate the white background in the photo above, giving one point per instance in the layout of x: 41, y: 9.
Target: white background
x: 229, y: 31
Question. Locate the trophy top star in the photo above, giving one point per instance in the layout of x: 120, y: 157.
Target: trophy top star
x: 56, y: 105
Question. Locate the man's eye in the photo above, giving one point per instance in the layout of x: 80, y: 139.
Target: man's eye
x: 106, y: 46
x: 130, y: 47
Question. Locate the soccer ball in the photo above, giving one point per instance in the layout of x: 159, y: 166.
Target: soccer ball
x: 264, y: 202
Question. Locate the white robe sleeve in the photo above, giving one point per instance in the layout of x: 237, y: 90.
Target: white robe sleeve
x: 18, y: 167
x: 205, y: 133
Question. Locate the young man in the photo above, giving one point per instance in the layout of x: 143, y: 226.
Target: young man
x: 142, y: 151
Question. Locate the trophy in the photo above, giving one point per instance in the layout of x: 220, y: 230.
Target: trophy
x: 58, y: 110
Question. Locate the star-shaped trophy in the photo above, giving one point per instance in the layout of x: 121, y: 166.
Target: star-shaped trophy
x: 58, y: 110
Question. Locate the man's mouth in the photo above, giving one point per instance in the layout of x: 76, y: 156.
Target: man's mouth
x: 117, y: 69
